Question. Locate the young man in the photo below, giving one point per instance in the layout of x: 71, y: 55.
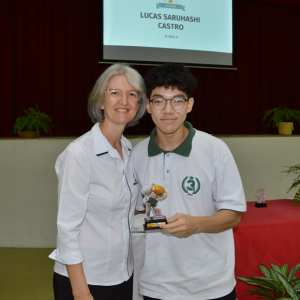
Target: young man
x: 192, y: 257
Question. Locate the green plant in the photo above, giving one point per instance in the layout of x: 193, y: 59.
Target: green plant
x: 295, y: 169
x: 34, y: 120
x: 277, y: 283
x: 282, y: 114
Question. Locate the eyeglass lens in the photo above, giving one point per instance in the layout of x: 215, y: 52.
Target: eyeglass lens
x: 176, y: 102
x: 116, y: 94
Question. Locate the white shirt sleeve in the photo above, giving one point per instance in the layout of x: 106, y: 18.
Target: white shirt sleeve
x: 73, y: 170
x: 228, y: 192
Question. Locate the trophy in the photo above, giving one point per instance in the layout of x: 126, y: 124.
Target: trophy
x: 152, y: 195
x: 260, y: 194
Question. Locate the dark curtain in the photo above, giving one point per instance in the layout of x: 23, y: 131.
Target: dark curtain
x: 50, y: 51
x: 285, y: 2
x: 267, y: 60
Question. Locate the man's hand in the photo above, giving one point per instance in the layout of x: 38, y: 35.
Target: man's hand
x: 180, y: 225
x: 184, y: 225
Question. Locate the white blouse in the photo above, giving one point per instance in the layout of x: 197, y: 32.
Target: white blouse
x: 97, y: 194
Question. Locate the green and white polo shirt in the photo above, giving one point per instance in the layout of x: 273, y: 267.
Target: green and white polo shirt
x: 200, y: 177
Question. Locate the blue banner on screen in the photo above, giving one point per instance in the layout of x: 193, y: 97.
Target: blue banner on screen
x: 185, y: 31
x: 166, y: 5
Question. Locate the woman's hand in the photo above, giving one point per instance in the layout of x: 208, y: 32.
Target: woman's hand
x: 90, y: 297
x: 79, y: 285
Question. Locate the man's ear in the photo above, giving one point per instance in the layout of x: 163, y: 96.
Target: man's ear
x: 190, y: 104
x: 148, y: 106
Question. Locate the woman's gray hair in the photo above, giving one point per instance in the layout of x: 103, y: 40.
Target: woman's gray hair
x: 97, y: 95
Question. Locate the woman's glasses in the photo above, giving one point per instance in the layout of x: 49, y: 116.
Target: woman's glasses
x: 117, y: 94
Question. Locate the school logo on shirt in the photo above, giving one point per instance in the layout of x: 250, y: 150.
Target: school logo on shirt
x: 191, y: 185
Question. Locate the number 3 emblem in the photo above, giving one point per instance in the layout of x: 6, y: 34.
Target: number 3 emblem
x: 191, y: 185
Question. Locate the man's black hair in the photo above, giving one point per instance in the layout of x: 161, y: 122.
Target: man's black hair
x: 171, y: 75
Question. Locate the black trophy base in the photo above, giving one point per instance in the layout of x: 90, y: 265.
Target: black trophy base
x: 260, y: 204
x: 153, y: 224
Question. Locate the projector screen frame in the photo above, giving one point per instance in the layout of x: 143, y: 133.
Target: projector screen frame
x: 158, y: 63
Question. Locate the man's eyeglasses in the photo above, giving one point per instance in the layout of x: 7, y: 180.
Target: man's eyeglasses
x: 160, y: 103
x: 117, y: 94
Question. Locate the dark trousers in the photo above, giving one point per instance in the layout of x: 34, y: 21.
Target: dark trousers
x: 63, y: 290
x: 230, y: 296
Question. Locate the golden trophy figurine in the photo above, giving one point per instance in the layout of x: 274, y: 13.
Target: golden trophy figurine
x: 152, y: 195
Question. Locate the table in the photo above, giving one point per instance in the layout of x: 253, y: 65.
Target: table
x: 264, y: 235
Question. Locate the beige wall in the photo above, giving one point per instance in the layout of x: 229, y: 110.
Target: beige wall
x: 28, y: 181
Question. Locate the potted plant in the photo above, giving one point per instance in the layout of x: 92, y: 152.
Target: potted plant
x: 283, y: 118
x: 30, y: 124
x: 295, y: 169
x: 276, y: 283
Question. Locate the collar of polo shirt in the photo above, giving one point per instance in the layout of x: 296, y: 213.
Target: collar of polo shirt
x: 184, y: 149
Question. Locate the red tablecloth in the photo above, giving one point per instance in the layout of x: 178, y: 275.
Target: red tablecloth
x: 266, y: 235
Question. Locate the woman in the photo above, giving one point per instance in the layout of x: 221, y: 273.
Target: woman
x: 97, y: 193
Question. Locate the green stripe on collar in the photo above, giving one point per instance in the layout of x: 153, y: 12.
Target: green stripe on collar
x: 184, y: 149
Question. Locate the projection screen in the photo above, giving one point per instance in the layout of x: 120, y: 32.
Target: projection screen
x: 192, y: 32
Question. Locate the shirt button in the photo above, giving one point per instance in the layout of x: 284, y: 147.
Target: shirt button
x: 167, y: 155
x: 167, y: 171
